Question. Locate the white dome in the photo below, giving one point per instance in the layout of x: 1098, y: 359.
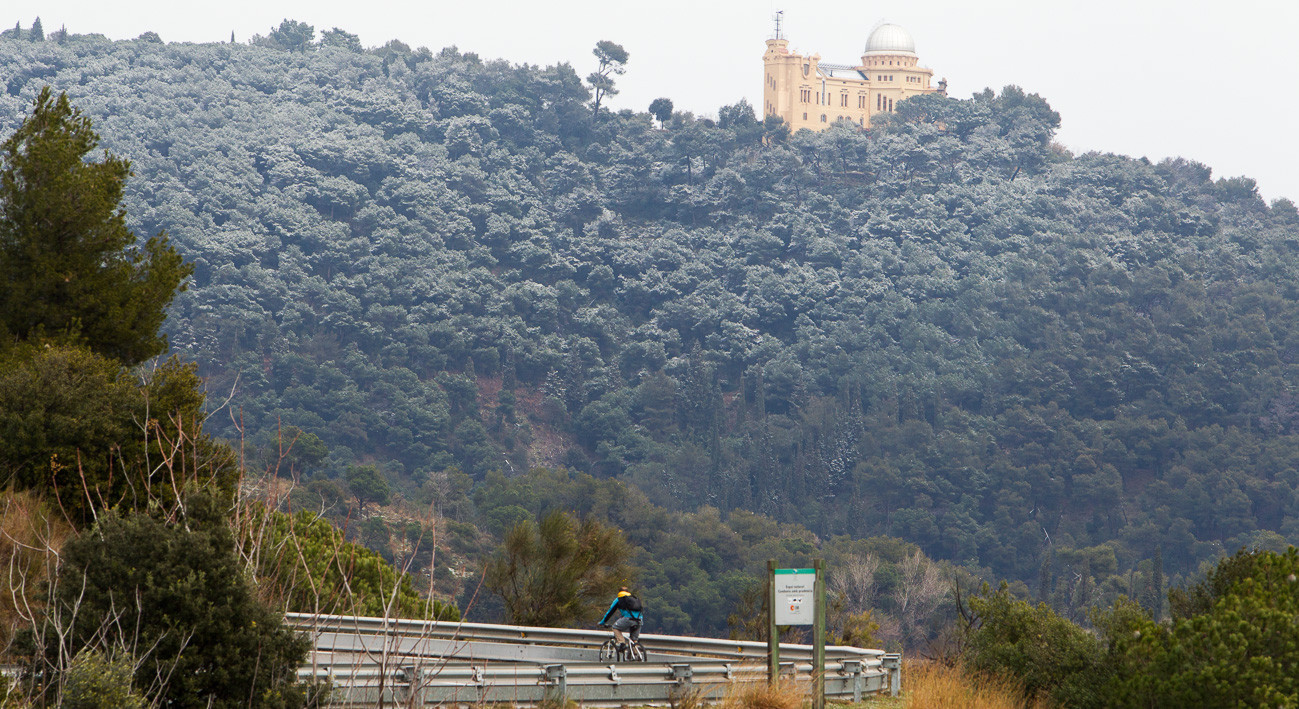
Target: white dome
x: 890, y: 39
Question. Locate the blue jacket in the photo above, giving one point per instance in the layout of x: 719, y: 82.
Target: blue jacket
x: 620, y: 604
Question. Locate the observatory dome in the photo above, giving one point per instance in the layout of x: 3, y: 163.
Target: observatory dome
x: 890, y: 39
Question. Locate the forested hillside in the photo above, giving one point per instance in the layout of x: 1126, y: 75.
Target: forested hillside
x: 947, y: 330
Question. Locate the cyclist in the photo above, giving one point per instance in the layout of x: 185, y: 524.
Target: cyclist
x: 630, y: 618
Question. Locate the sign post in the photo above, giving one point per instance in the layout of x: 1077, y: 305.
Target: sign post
x: 818, y: 639
x: 797, y: 597
x: 773, y: 633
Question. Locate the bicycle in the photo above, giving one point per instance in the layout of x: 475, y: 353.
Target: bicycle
x: 629, y: 651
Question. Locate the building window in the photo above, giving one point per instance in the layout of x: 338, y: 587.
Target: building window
x: 805, y: 115
x: 843, y: 99
x: 823, y: 118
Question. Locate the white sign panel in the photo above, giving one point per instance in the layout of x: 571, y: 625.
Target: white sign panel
x: 795, y: 596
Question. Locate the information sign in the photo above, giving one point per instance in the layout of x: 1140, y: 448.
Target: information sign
x: 795, y: 596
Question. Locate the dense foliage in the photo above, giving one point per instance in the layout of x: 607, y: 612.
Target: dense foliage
x: 947, y: 329
x: 80, y: 303
x: 305, y: 565
x: 98, y: 681
x: 1236, y: 643
x: 68, y: 263
x: 1047, y: 654
x: 1232, y: 643
x: 701, y: 571
x: 81, y: 429
x: 559, y: 572
x: 151, y: 602
x: 197, y: 633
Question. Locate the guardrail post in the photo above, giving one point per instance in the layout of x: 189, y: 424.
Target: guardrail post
x: 893, y: 663
x: 556, y: 682
x: 853, y: 669
x: 683, y: 675
x: 788, y: 669
x: 410, y: 674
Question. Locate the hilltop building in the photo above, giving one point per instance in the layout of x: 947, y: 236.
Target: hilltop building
x: 810, y: 93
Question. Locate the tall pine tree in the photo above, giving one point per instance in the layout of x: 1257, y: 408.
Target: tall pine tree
x: 69, y: 266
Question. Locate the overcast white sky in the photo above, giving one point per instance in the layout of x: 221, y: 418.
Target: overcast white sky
x: 1210, y: 81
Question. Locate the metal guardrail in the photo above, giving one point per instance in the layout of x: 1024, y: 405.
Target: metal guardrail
x: 374, y: 662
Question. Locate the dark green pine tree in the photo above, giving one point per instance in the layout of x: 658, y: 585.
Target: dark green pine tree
x: 38, y: 32
x: 69, y: 266
x: 368, y: 485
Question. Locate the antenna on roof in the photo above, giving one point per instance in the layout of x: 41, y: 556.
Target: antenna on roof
x: 779, y: 18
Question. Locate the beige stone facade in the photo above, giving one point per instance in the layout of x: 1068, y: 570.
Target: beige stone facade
x: 809, y: 93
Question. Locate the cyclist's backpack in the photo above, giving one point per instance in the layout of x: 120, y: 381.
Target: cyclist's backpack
x: 633, y: 604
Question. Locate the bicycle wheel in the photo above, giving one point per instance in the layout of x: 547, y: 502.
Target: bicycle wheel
x: 637, y: 653
x: 608, y: 651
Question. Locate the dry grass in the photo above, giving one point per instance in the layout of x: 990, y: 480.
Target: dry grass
x: 928, y: 685
x: 30, y: 536
x: 760, y: 695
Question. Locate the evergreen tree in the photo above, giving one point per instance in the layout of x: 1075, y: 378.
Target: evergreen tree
x: 1232, y: 641
x: 368, y: 485
x: 559, y: 572
x: 177, y: 596
x: 70, y: 425
x: 661, y: 108
x: 96, y: 680
x: 291, y: 35
x: 1051, y: 656
x: 613, y: 60
x: 343, y: 40
x: 68, y: 263
x: 38, y: 32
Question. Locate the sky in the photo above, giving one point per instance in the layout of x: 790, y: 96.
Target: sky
x: 1216, y: 82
